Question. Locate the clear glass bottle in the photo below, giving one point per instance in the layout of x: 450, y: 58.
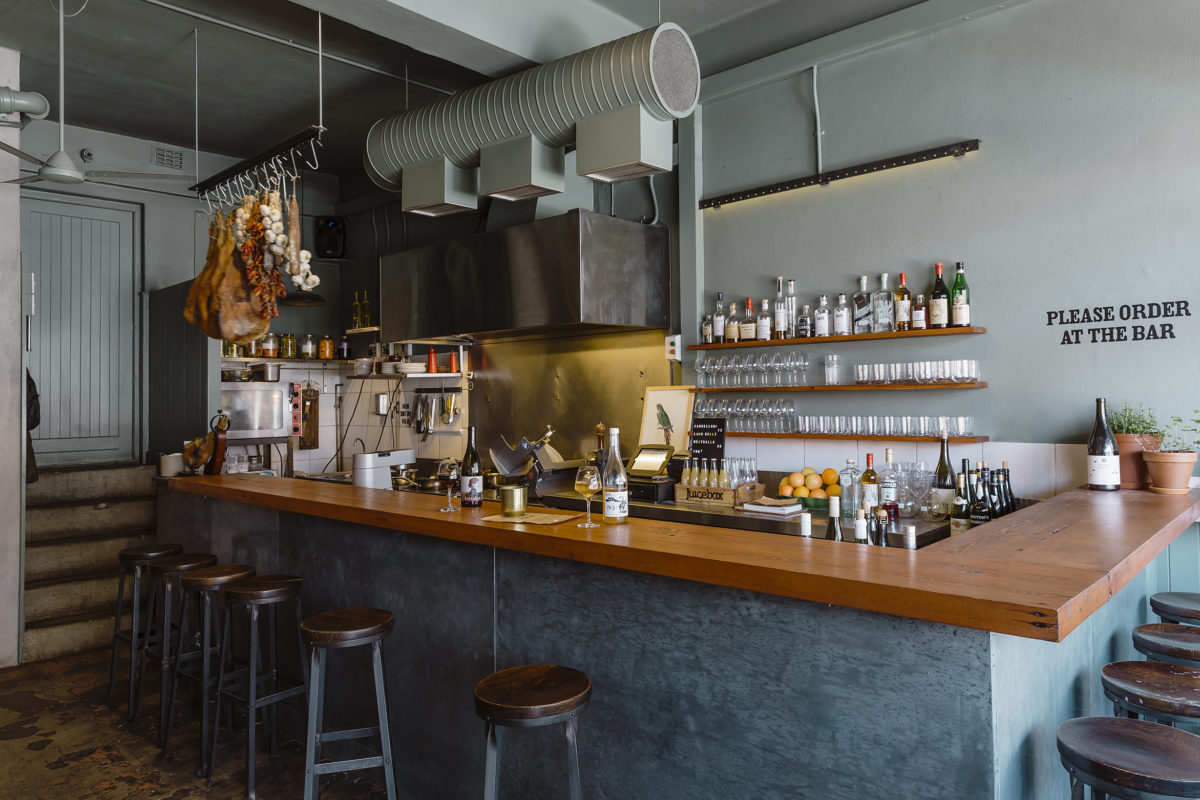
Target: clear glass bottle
x: 616, y: 484
x: 779, y: 327
x: 685, y: 476
x: 706, y: 329
x: 733, y: 325
x: 960, y: 299
x: 889, y: 488
x: 723, y: 480
x: 851, y: 489
x: 841, y: 316
x: 939, y: 300
x: 902, y: 303
x: 701, y: 477
x: 308, y: 346
x: 862, y: 307
x: 792, y: 311
x: 763, y: 323
x: 920, y: 313
x: 749, y: 331
x: 882, y: 320
x: 804, y: 323
x: 821, y: 317
x: 718, y: 320
x: 270, y: 346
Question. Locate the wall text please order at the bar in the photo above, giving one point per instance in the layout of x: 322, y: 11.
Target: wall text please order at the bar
x: 1134, y: 322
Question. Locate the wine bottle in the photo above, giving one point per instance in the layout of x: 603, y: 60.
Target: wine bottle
x: 763, y: 324
x: 943, y: 477
x: 920, y: 313
x: 889, y: 488
x: 860, y: 527
x: 616, y: 484
x: 939, y: 300
x: 862, y: 307
x: 966, y: 470
x: 821, y: 321
x: 960, y: 296
x: 1104, y: 464
x: 833, y: 531
x: 842, y: 319
x: 1010, y: 500
x: 960, y: 517
x: 882, y: 309
x: 870, y: 485
x: 749, y: 324
x: 471, y: 474
x: 733, y: 325
x: 981, y: 509
x: 882, y: 523
x: 718, y: 320
x: 902, y: 300
x: 780, y: 327
x: 994, y: 496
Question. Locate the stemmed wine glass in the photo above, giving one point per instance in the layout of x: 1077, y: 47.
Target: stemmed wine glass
x: 761, y: 363
x: 587, y: 483
x: 701, y: 365
x: 723, y: 369
x: 777, y: 368
x: 451, y: 480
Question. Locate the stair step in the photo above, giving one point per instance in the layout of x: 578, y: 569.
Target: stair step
x: 67, y: 635
x: 77, y: 556
x: 64, y: 520
x: 75, y: 485
x: 52, y: 598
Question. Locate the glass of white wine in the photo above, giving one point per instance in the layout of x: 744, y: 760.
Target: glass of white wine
x: 587, y: 483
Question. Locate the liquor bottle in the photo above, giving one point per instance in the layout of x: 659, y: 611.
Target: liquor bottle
x: 804, y: 323
x: 848, y: 478
x: 841, y: 316
x: 790, y: 330
x: 920, y: 313
x: 779, y: 329
x: 960, y: 297
x: 1010, y: 500
x: 343, y: 348
x: 862, y: 307
x: 723, y: 481
x: 706, y: 329
x: 981, y: 509
x: 366, y: 311
x: 860, y: 527
x: 702, y: 473
x: 749, y: 329
x: 881, y: 527
x: 939, y: 300
x: 902, y: 300
x: 763, y: 327
x: 881, y: 307
x: 356, y: 313
x: 870, y: 485
x: 960, y: 516
x: 1104, y: 464
x: 943, y: 477
x: 733, y: 325
x: 616, y: 484
x: 889, y: 488
x: 833, y: 531
x: 821, y: 317
x: 718, y: 320
x: 994, y: 495
x: 470, y: 476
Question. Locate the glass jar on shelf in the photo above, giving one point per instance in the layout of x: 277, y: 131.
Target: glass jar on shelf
x: 343, y: 348
x: 308, y: 346
x: 270, y: 346
x: 325, y: 348
x: 287, y: 345
x: 254, y: 348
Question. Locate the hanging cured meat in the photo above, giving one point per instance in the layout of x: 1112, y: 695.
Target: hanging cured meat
x: 233, y: 297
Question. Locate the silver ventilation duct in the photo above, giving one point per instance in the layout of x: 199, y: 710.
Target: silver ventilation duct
x: 655, y: 69
x: 30, y: 104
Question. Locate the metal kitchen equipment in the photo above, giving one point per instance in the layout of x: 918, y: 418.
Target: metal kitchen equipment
x: 544, y: 468
x: 257, y: 410
x: 374, y: 470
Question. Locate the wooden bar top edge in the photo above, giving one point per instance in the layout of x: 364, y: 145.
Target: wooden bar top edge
x: 1034, y: 575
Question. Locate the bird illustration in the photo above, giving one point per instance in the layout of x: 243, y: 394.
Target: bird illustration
x: 664, y: 424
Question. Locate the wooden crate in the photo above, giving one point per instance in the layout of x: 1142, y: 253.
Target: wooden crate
x: 708, y: 496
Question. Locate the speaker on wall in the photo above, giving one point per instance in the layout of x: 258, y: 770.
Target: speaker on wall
x: 330, y: 238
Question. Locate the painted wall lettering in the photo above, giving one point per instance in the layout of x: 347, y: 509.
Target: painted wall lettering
x: 1094, y: 333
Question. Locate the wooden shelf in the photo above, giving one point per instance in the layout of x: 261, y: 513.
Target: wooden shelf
x: 288, y: 362
x: 857, y: 337
x: 353, y: 331
x: 853, y: 387
x: 854, y: 436
x: 406, y: 376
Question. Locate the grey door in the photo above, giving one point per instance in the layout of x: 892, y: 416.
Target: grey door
x: 83, y: 253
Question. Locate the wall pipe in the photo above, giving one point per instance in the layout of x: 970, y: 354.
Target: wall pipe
x: 31, y: 104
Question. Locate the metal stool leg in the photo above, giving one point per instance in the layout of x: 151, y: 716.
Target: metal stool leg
x: 385, y: 735
x: 205, y: 680
x: 112, y: 671
x: 165, y: 730
x: 491, y: 780
x: 164, y: 682
x: 135, y: 697
x: 274, y: 668
x: 573, y: 758
x: 133, y: 632
x: 316, y: 701
x: 212, y: 751
x: 252, y: 701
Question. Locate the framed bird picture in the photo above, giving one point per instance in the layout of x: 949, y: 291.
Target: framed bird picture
x: 666, y: 416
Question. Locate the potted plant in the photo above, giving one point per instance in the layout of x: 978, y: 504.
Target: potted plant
x: 1131, y: 425
x: 1170, y: 462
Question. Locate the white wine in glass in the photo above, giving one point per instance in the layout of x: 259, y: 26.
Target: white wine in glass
x: 587, y: 483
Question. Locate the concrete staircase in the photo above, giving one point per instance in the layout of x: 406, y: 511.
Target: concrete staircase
x: 76, y: 521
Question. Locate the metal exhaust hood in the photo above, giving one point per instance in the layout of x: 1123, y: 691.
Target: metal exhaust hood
x: 573, y: 274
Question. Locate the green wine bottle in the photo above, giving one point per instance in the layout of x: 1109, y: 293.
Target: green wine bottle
x: 960, y: 299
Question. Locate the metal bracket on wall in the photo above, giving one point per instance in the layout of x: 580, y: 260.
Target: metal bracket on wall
x: 956, y: 150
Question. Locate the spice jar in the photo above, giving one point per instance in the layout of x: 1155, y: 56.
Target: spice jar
x: 254, y: 348
x: 270, y: 346
x: 287, y: 346
x: 343, y: 348
x: 308, y: 346
x: 325, y: 348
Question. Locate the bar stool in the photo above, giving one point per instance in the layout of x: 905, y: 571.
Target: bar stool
x: 1164, y: 692
x: 203, y: 585
x: 166, y: 572
x: 1169, y: 642
x: 1181, y: 607
x: 251, y: 594
x: 1129, y: 758
x: 347, y: 627
x: 527, y: 697
x: 135, y: 559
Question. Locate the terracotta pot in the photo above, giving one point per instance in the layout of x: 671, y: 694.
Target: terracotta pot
x: 1170, y: 472
x: 1133, y: 469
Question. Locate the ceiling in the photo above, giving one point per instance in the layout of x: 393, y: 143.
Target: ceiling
x: 130, y: 63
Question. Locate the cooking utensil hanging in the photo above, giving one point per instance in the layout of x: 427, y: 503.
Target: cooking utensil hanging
x: 310, y: 410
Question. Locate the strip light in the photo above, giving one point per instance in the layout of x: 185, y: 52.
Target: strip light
x: 957, y: 150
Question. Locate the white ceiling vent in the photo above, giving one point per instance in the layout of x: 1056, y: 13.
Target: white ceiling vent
x: 167, y: 158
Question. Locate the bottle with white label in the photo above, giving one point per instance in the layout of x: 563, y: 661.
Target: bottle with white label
x: 862, y: 307
x: 960, y: 299
x: 821, y: 317
x: 718, y: 320
x: 471, y: 474
x: 616, y: 485
x: 733, y: 330
x: 779, y: 330
x: 842, y: 316
x: 883, y: 313
x: 939, y: 300
x: 749, y: 330
x: 860, y: 527
x: 763, y: 323
x: 1104, y: 463
x: 791, y: 311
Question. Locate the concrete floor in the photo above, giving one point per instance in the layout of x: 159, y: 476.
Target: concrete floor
x: 59, y: 740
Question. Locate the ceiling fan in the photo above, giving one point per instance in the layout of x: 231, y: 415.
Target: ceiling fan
x: 60, y: 168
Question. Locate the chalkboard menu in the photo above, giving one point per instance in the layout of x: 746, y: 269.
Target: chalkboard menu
x: 708, y: 438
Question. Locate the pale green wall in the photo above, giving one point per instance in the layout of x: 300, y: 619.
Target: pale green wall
x: 1085, y: 193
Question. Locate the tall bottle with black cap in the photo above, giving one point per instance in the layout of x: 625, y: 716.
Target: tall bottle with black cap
x: 1104, y: 463
x: 471, y: 474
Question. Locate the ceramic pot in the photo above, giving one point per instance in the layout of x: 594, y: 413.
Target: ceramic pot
x: 1170, y: 472
x: 1133, y: 469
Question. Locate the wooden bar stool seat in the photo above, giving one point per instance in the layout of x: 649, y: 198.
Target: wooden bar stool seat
x: 263, y: 589
x: 1182, y: 607
x: 1168, y: 641
x: 529, y: 696
x: 1162, y: 691
x: 215, y: 576
x: 180, y: 563
x: 132, y: 559
x: 346, y: 627
x: 1129, y: 758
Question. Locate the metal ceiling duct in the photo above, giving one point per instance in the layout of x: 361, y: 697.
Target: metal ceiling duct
x: 656, y: 69
x: 31, y: 104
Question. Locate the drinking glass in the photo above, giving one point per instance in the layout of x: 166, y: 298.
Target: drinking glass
x: 789, y: 416
x: 723, y: 369
x: 587, y: 483
x: 752, y: 416
x: 737, y: 415
x: 701, y: 365
x: 862, y: 373
x: 762, y: 363
x: 776, y: 365
x: 802, y: 366
x: 777, y: 416
x: 736, y: 368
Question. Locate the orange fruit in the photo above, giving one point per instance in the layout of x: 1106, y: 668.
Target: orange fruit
x: 830, y: 476
x: 801, y: 491
x: 818, y: 494
x: 833, y: 491
x: 812, y: 481
x: 786, y: 490
x: 795, y: 479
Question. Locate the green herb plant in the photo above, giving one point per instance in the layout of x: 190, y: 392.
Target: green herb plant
x: 1181, y: 436
x: 1133, y: 420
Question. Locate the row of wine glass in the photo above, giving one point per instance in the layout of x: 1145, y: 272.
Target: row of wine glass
x: 750, y: 415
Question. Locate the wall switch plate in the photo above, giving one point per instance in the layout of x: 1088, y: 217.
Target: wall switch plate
x: 674, y: 348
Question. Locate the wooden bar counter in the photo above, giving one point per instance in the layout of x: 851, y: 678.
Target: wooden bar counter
x: 725, y: 663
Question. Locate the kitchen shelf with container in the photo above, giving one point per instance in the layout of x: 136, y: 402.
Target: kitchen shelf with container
x: 855, y: 337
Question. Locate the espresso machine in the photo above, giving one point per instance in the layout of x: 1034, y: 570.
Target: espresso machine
x: 543, y: 468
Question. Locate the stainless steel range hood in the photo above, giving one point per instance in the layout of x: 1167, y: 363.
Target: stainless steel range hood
x: 577, y: 273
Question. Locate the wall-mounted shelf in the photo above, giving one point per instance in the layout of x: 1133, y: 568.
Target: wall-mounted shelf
x: 856, y: 337
x: 853, y: 387
x: 395, y: 376
x: 354, y: 331
x: 287, y: 362
x: 855, y: 436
